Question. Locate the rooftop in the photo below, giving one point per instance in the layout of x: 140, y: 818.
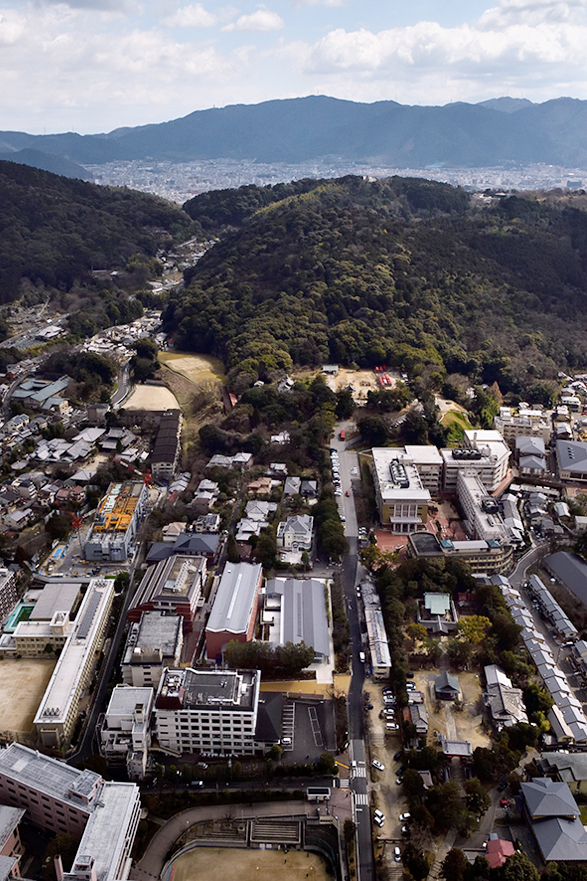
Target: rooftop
x: 235, y: 598
x: 303, y: 615
x: 49, y: 776
x: 209, y: 689
x: 546, y: 798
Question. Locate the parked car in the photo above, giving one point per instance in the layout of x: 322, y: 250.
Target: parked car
x: 391, y: 726
x: 503, y: 785
x: 347, y: 493
x: 397, y: 854
x: 369, y: 706
x: 378, y: 765
x: 398, y: 755
x: 401, y: 770
x: 404, y: 817
x: 410, y: 686
x: 505, y: 802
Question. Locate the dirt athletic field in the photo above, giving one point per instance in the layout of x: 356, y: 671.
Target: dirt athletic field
x: 234, y: 864
x: 22, y: 685
x: 151, y: 397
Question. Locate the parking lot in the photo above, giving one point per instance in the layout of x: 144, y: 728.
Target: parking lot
x: 385, y: 794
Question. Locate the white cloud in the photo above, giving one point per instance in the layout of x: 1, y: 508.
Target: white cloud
x: 192, y: 16
x: 533, y: 12
x: 261, y: 20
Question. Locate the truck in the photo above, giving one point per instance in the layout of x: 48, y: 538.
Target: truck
x: 341, y: 434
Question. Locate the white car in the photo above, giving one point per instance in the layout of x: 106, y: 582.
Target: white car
x: 397, y: 854
x: 404, y: 817
x: 379, y: 821
x: 379, y: 765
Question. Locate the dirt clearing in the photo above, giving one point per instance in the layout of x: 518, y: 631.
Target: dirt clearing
x: 23, y: 683
x: 196, y: 368
x: 236, y: 864
x: 465, y: 724
x: 152, y: 397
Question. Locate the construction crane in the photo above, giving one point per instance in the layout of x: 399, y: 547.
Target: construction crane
x: 76, y: 522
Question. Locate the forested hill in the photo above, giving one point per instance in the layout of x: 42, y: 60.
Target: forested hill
x: 54, y: 230
x: 404, y: 272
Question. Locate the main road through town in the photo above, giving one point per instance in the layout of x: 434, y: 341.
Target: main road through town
x: 351, y: 575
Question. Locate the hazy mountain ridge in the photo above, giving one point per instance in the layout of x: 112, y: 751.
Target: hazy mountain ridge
x: 495, y: 132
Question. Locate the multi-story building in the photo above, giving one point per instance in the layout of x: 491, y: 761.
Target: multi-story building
x: 116, y: 523
x: 428, y: 463
x: 50, y: 621
x: 481, y: 511
x: 484, y: 453
x: 167, y: 446
x: 484, y: 557
x: 234, y: 612
x: 104, y: 853
x: 11, y: 848
x: 125, y: 731
x: 210, y: 711
x: 57, y: 797
x: 58, y: 710
x: 174, y: 586
x: 401, y: 497
x: 527, y: 422
x: 155, y: 642
x: 8, y: 594
x: 61, y: 799
x: 295, y: 533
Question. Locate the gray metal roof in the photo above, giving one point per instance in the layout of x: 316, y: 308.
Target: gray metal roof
x: 105, y: 835
x: 547, y: 798
x: 572, y: 456
x: 561, y: 839
x: 530, y: 446
x: 571, y: 570
x: 304, y: 616
x: 53, y: 598
x: 447, y: 682
x: 235, y: 598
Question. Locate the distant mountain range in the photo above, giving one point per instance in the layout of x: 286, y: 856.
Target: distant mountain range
x: 503, y: 131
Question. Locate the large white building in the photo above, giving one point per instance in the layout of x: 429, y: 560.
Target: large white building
x: 210, y: 711
x: 153, y: 643
x: 484, y: 453
x: 125, y: 732
x: 58, y: 710
x: 401, y: 496
x: 481, y: 511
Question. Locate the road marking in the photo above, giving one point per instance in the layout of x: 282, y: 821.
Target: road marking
x: 361, y: 798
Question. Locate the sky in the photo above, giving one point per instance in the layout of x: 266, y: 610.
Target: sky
x: 92, y: 66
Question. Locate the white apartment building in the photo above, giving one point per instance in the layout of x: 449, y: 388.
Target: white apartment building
x: 209, y: 711
x: 526, y: 422
x: 484, y: 453
x: 481, y: 511
x: 153, y: 643
x: 125, y: 732
x: 58, y: 710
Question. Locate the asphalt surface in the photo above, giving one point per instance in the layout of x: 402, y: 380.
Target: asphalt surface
x: 124, y: 386
x: 351, y: 575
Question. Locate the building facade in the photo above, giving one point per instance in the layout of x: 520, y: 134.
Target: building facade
x: 209, y: 711
x: 116, y: 523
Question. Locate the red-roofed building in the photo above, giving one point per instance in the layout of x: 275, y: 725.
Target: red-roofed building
x: 498, y: 850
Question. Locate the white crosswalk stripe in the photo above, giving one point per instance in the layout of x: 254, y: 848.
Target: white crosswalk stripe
x: 360, y: 772
x: 361, y: 798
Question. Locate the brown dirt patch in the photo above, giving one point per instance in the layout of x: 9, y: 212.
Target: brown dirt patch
x: 151, y: 397
x: 468, y: 723
x: 236, y: 864
x: 23, y: 683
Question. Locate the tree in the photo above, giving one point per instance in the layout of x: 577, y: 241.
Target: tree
x: 519, y: 868
x: 414, y: 860
x: 537, y: 699
x: 64, y: 845
x: 416, y: 632
x: 266, y: 550
x: 433, y: 650
x: 454, y: 865
x: 413, y: 784
x: 474, y: 628
x: 345, y: 404
x: 459, y: 652
x: 478, y: 801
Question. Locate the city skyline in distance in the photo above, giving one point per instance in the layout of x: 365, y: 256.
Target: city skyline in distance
x: 91, y: 66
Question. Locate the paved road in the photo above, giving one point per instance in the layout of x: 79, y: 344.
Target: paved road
x: 124, y: 386
x: 352, y: 572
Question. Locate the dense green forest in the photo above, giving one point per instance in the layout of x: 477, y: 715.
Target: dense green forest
x: 406, y: 272
x: 54, y: 231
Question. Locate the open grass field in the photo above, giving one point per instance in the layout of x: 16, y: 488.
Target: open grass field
x: 152, y: 397
x: 197, y: 368
x: 22, y: 685
x: 236, y: 864
x: 453, y: 418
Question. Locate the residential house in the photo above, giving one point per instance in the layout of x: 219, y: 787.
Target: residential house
x: 295, y: 533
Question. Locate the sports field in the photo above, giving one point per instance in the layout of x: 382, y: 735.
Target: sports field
x: 22, y: 685
x: 197, y: 368
x: 235, y: 864
x: 151, y: 397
